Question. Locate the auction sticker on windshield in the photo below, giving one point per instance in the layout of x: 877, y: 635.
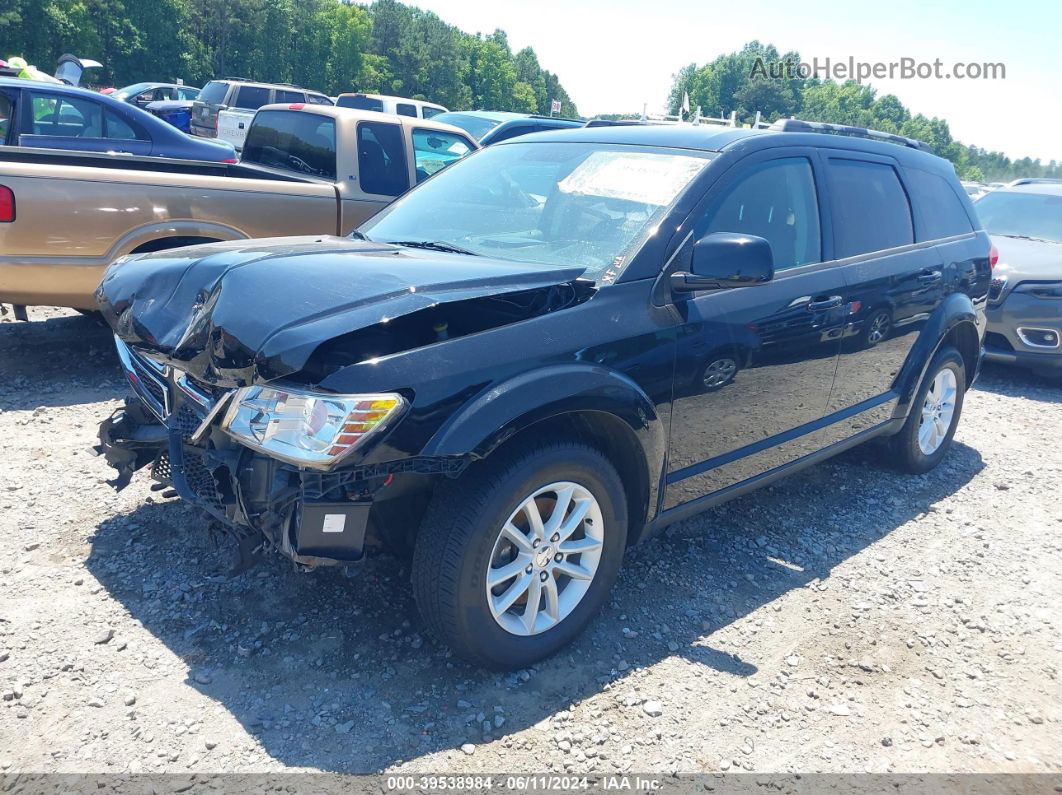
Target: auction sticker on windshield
x: 646, y: 177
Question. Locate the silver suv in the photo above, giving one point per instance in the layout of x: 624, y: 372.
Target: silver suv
x: 246, y: 96
x: 1025, y: 302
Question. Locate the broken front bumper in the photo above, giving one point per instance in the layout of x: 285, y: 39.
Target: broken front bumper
x: 312, y: 517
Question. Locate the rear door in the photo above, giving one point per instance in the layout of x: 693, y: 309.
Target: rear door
x: 893, y: 283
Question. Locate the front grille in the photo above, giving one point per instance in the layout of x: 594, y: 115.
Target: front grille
x: 200, y: 480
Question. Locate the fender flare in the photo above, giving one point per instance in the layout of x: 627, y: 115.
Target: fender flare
x: 505, y: 409
x: 955, y: 310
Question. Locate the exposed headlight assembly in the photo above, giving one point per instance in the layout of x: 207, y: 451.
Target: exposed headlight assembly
x: 309, y: 429
x: 1041, y: 289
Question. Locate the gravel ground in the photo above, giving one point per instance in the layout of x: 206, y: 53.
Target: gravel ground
x: 847, y: 619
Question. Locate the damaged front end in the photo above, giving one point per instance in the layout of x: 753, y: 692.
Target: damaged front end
x: 173, y: 426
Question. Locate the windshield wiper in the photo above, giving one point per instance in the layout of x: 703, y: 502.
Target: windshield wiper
x: 434, y: 245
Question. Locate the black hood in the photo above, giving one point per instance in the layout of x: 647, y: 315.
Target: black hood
x: 234, y: 313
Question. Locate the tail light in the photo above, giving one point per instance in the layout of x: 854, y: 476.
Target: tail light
x: 7, y: 205
x: 993, y: 256
x: 231, y: 161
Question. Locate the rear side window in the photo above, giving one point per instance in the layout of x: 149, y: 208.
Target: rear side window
x: 118, y: 129
x: 7, y: 110
x: 514, y: 131
x: 66, y: 117
x: 360, y: 103
x: 381, y: 159
x: 776, y: 201
x: 294, y: 141
x: 431, y: 110
x: 289, y: 96
x: 870, y: 207
x: 251, y: 97
x: 213, y: 93
x: 405, y: 109
x: 943, y: 214
x: 319, y: 99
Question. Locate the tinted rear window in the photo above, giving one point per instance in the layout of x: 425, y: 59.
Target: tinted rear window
x: 251, y: 97
x: 213, y: 93
x: 405, y: 109
x: 294, y: 141
x: 289, y: 96
x: 943, y: 214
x: 870, y: 207
x: 431, y: 110
x: 319, y: 99
x: 360, y: 103
x: 382, y: 159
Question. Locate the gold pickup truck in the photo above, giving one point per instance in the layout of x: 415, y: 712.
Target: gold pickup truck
x: 306, y: 169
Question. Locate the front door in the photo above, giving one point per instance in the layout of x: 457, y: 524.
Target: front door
x: 755, y: 365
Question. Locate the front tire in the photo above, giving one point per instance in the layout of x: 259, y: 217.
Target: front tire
x: 930, y: 427
x: 516, y: 557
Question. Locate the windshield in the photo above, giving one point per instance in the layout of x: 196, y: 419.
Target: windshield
x: 552, y: 203
x: 1036, y: 215
x: 129, y: 91
x: 476, y: 126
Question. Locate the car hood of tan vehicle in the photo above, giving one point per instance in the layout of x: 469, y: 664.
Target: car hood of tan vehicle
x: 248, y: 311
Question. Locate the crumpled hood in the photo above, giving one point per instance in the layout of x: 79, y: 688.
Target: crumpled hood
x: 1027, y: 260
x: 244, y: 311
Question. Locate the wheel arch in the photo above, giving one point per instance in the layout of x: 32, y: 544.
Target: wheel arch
x: 603, y: 407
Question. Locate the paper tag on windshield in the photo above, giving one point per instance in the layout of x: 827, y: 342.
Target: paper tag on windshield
x: 646, y: 177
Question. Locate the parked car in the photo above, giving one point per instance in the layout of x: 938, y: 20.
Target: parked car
x: 143, y: 94
x: 484, y: 374
x: 491, y: 127
x: 1025, y: 304
x: 175, y: 112
x: 310, y: 169
x: 63, y: 117
x: 224, y: 108
x: 382, y: 103
x: 974, y: 189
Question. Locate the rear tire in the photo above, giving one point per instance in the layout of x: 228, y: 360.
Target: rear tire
x: 467, y: 536
x: 930, y: 427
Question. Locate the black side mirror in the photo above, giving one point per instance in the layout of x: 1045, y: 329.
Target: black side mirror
x: 726, y: 259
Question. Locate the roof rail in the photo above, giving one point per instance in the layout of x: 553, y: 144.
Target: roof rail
x: 799, y: 125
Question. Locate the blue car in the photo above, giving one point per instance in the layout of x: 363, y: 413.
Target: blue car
x: 52, y: 116
x: 491, y: 127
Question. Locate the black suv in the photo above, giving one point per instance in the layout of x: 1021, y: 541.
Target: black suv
x: 551, y: 350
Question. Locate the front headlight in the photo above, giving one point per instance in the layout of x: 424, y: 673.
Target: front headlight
x: 1041, y: 289
x: 311, y: 429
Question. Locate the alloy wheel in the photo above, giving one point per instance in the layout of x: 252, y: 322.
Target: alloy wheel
x: 938, y: 410
x: 719, y: 372
x: 545, y: 558
x: 879, y: 328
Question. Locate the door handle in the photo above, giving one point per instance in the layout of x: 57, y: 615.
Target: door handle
x: 932, y: 277
x: 822, y: 304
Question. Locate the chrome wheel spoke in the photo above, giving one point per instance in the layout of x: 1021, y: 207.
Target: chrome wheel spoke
x: 534, y: 519
x: 579, y: 545
x: 560, y: 509
x: 496, y: 577
x: 551, y: 600
x: 572, y: 523
x: 508, y: 597
x: 573, y: 570
x: 513, y: 533
x: 534, y: 599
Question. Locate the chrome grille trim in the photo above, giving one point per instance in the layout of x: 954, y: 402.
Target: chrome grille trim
x: 147, y: 378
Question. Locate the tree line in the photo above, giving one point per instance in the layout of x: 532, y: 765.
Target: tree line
x: 735, y: 82
x: 328, y: 45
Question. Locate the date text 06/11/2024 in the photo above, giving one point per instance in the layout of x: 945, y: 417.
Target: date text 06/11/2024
x: 544, y: 783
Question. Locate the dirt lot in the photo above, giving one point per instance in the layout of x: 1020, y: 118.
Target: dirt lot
x: 847, y: 619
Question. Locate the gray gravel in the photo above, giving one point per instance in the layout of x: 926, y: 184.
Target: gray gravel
x: 846, y: 619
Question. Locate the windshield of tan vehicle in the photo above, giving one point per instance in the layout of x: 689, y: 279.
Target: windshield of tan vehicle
x: 553, y: 203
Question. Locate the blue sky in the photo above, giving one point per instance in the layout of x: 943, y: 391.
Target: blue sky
x: 613, y: 55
